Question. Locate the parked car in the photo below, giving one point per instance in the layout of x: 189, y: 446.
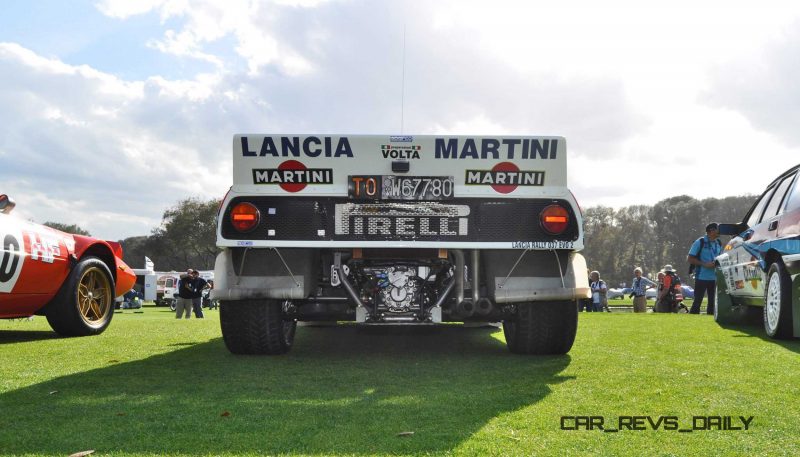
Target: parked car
x: 166, y: 287
x: 615, y: 293
x: 688, y: 292
x: 760, y: 266
x: 71, y: 279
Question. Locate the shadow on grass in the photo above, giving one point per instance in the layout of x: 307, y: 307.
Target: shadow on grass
x: 338, y: 391
x: 17, y: 336
x: 751, y: 325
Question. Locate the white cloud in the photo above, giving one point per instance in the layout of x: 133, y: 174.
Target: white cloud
x: 83, y: 143
x: 654, y: 100
x: 123, y: 9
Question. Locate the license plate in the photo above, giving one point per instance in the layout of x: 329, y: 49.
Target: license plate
x: 391, y: 187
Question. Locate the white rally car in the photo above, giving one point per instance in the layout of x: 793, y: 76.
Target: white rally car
x: 399, y: 230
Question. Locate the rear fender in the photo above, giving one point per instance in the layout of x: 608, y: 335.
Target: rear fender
x: 111, y: 254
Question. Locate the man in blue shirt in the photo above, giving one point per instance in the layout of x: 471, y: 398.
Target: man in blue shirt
x: 702, y: 254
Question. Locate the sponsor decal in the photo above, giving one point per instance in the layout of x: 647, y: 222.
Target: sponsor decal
x: 292, y: 146
x: 42, y: 248
x: 552, y: 244
x: 292, y: 176
x: 401, y: 139
x: 394, y: 151
x: 490, y: 148
x: 402, y: 220
x: 404, y: 226
x: 504, y: 177
x: 752, y: 274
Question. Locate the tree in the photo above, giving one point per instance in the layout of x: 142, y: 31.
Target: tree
x: 600, y: 233
x: 186, y: 237
x: 134, y: 250
x: 651, y: 237
x: 635, y: 240
x: 69, y: 228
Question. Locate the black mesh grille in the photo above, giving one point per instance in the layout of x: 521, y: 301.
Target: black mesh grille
x: 310, y: 218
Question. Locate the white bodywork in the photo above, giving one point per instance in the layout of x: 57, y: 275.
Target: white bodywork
x: 540, y: 160
x: 476, y: 174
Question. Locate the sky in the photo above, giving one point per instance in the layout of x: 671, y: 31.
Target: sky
x: 112, y: 111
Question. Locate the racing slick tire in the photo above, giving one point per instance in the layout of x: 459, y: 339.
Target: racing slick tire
x: 256, y: 327
x: 85, y: 303
x: 778, y: 303
x: 542, y: 328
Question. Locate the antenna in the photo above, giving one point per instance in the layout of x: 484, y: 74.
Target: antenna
x: 403, y: 83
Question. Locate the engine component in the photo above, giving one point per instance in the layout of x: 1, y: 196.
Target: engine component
x: 398, y: 287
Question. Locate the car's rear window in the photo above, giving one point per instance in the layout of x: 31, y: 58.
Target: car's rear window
x: 793, y: 200
x: 755, y: 215
x: 778, y: 198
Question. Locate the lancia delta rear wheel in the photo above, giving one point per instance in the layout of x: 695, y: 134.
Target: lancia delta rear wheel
x: 85, y: 303
x: 778, y: 303
x: 724, y: 312
x: 542, y: 328
x: 256, y: 327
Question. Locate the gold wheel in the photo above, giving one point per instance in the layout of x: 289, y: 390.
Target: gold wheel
x: 94, y: 296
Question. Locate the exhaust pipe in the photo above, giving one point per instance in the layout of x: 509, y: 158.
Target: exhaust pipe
x: 476, y: 277
x: 465, y: 308
x: 483, y: 307
x: 458, y: 273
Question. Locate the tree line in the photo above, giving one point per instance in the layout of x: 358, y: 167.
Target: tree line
x: 650, y: 237
x: 616, y: 240
x: 186, y: 238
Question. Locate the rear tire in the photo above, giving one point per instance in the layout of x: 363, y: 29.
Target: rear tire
x: 542, y: 328
x: 778, y: 303
x: 85, y: 303
x: 256, y: 327
x: 724, y: 310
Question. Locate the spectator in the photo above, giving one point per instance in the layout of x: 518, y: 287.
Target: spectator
x: 585, y: 304
x: 668, y: 280
x: 212, y: 304
x: 701, y: 257
x: 599, y: 292
x: 640, y: 285
x: 183, y: 302
x: 198, y: 284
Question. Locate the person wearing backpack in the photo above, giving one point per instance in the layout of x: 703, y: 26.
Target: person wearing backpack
x: 669, y: 290
x: 701, y: 260
x: 599, y: 292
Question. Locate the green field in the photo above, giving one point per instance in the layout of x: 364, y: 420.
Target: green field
x: 152, y: 385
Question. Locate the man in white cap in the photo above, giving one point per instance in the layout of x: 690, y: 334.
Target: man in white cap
x: 665, y: 302
x: 639, y: 286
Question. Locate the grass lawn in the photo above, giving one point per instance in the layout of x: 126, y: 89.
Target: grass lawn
x: 153, y: 385
x: 627, y: 302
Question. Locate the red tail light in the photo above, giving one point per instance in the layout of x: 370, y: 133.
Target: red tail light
x: 245, y: 217
x: 554, y: 219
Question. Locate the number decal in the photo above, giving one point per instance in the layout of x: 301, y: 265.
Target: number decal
x: 10, y: 261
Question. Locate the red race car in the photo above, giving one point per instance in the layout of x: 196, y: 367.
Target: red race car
x: 71, y: 279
